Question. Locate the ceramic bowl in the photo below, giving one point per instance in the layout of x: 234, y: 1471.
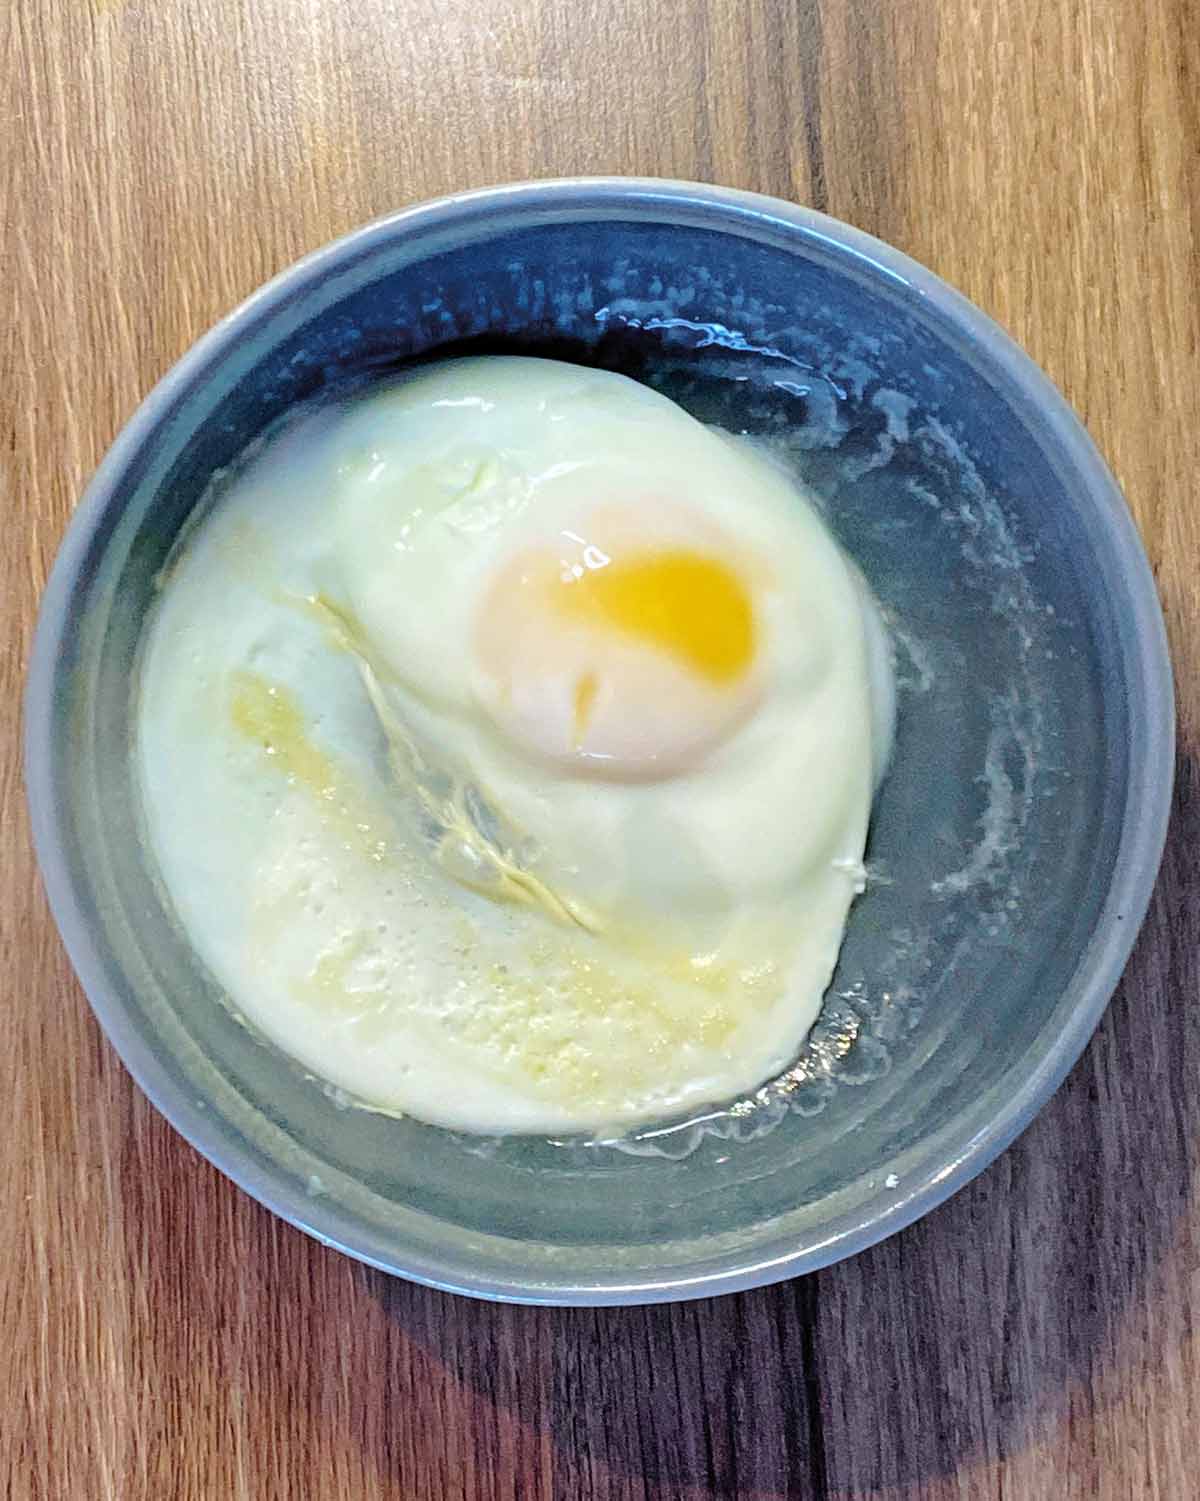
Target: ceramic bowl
x: 1015, y: 839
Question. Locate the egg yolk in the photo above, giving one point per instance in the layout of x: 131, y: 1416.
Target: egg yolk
x: 628, y: 652
x: 678, y: 601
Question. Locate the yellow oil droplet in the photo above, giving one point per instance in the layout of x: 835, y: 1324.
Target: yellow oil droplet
x: 586, y: 688
x: 268, y: 715
x: 684, y: 603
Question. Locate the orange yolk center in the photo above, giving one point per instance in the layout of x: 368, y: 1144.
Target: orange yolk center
x: 681, y: 602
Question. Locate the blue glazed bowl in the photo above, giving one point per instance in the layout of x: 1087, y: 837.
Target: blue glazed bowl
x: 1015, y: 840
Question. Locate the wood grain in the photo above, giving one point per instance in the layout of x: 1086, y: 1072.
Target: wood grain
x: 163, y: 1337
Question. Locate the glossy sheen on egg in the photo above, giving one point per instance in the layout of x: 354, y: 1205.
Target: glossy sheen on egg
x: 507, y: 740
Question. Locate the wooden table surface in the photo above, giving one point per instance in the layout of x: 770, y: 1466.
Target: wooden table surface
x: 163, y: 1337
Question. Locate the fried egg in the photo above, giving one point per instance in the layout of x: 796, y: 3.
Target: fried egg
x: 536, y: 731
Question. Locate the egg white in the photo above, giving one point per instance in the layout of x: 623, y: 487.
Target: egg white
x: 349, y: 558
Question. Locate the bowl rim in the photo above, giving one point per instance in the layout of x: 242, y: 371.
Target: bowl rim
x: 1138, y: 856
